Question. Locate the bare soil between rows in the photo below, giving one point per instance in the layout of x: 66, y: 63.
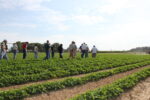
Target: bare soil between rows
x: 140, y: 92
x: 67, y: 93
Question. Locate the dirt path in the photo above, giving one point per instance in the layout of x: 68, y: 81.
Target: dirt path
x: 40, y: 82
x: 67, y: 93
x: 140, y: 92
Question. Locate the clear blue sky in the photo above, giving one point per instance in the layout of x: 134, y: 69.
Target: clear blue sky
x: 108, y: 24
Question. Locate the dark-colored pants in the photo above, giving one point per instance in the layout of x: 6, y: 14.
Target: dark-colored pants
x: 86, y: 54
x: 53, y: 54
x: 93, y: 55
x: 47, y: 55
x: 35, y: 55
x: 83, y: 53
x: 24, y: 53
x: 60, y: 55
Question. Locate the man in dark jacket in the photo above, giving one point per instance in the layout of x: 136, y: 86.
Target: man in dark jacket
x: 47, y: 50
x: 60, y: 50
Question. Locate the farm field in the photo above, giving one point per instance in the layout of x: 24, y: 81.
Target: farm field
x: 103, y: 78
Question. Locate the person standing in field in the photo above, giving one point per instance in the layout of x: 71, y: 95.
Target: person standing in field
x: 80, y: 48
x: 24, y: 48
x: 83, y: 48
x: 47, y: 50
x: 15, y: 50
x: 52, y: 51
x: 94, y: 51
x: 86, y: 51
x: 72, y: 49
x: 4, y: 49
x: 60, y: 50
x: 36, y: 51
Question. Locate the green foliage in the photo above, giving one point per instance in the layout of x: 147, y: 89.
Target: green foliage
x: 113, y: 90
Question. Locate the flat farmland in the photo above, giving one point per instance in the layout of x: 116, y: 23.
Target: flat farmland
x: 106, y: 77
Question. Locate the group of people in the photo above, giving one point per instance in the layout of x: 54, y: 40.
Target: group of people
x: 49, y: 50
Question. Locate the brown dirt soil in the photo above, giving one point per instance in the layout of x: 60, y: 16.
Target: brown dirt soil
x: 40, y: 82
x: 67, y: 93
x: 140, y: 92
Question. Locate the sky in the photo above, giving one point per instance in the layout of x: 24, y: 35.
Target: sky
x: 108, y: 24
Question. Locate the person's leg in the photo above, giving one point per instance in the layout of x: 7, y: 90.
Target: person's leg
x: 2, y: 54
x: 95, y: 55
x: 92, y: 55
x: 5, y: 56
x: 85, y: 53
x: 35, y: 55
x: 14, y: 55
x: 52, y: 54
x: 70, y: 55
x: 49, y: 54
x: 61, y: 55
x: 82, y: 54
x: 23, y: 54
x: 46, y: 55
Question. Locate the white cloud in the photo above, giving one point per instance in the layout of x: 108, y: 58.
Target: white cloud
x: 114, y: 6
x: 87, y: 19
x: 55, y: 18
x: 23, y: 4
x: 19, y: 25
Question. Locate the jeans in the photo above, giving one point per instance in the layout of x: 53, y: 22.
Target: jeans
x: 14, y: 54
x: 47, y: 55
x: 83, y: 53
x: 36, y: 55
x: 4, y: 55
x: 24, y: 53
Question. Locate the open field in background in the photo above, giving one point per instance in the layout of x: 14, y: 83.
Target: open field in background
x: 62, y: 79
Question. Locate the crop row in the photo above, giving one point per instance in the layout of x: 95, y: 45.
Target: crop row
x: 111, y: 91
x: 54, y: 72
x: 21, y: 93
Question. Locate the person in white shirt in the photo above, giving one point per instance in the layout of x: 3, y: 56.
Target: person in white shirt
x: 4, y: 49
x: 83, y: 48
x: 15, y: 50
x: 94, y: 51
x: 36, y: 52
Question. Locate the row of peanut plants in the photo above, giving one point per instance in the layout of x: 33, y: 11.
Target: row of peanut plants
x: 112, y: 91
x: 15, y: 73
x: 31, y: 90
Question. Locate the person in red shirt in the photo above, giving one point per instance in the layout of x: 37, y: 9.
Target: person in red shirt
x: 24, y: 48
